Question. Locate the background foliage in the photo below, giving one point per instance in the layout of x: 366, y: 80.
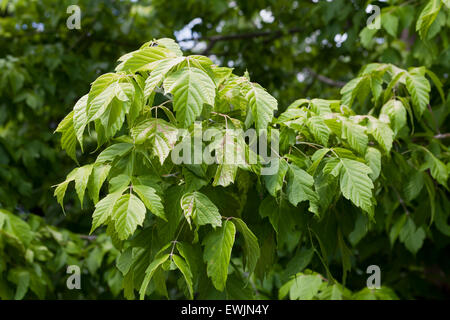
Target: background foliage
x: 294, y: 49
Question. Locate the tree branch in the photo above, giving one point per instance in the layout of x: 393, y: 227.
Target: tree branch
x: 442, y: 136
x: 322, y: 78
x: 212, y: 40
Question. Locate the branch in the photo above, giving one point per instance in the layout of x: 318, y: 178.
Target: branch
x: 90, y: 238
x: 212, y: 40
x: 322, y: 78
x: 442, y: 136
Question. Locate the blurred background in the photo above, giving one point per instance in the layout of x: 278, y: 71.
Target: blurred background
x: 295, y: 49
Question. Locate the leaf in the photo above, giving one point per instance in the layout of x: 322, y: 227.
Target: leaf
x: 437, y: 168
x: 103, y: 209
x: 389, y: 21
x: 230, y: 150
x: 143, y: 59
x: 101, y: 95
x: 274, y: 183
x: 358, y: 87
x: 373, y: 159
x: 218, y: 244
x: 411, y: 236
x: 80, y: 118
x: 262, y: 105
x: 21, y: 278
x: 149, y: 272
x: 171, y: 45
x: 299, y: 188
x: 250, y: 247
x: 125, y: 260
x: 382, y: 134
x: 299, y: 262
x: 61, y: 188
x: 157, y: 75
x: 200, y: 209
x: 419, y: 88
x: 191, y: 88
x: 366, y: 35
x: 185, y: 270
x: 427, y: 17
x: 68, y: 138
x: 396, y: 112
x: 319, y: 129
x: 59, y: 193
x: 128, y: 213
x: 355, y: 135
x: 81, y: 180
x: 96, y: 180
x: 113, y: 151
x: 356, y: 184
x: 413, y: 185
x: 305, y: 287
x: 317, y: 159
x: 151, y: 200
x: 437, y: 83
x: 159, y: 133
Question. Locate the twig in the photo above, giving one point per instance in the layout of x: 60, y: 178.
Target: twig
x: 326, y: 80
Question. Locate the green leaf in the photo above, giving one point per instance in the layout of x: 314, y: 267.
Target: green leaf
x: 396, y: 112
x: 61, y: 188
x: 411, y: 236
x: 191, y: 88
x: 186, y: 271
x: 96, y: 180
x: 217, y: 253
x: 437, y: 168
x: 128, y: 213
x: 356, y: 184
x: 413, y: 185
x: 358, y: 87
x: 104, y: 209
x: 305, y: 287
x: 81, y: 180
x: 170, y: 44
x: 250, y: 247
x: 419, y: 88
x: 200, y: 209
x: 161, y: 135
x: 68, y: 138
x: 113, y: 151
x: 159, y: 73
x: 389, y: 21
x: 125, y: 260
x: 319, y: 129
x: 299, y: 188
x: 427, y: 17
x: 373, y: 159
x: 80, y: 118
x: 21, y: 278
x: 317, y: 158
x: 143, y: 59
x: 274, y: 183
x: 355, y: 135
x: 101, y: 95
x: 151, y: 200
x: 149, y: 272
x: 262, y: 105
x: 382, y: 133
